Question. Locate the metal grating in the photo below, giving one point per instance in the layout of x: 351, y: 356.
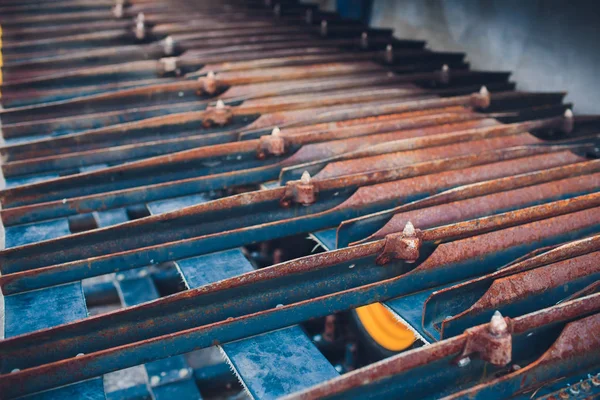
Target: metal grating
x: 164, y: 161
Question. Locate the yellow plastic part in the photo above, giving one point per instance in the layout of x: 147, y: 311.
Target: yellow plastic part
x: 384, y: 328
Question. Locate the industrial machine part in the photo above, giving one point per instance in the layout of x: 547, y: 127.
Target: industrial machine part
x: 168, y: 166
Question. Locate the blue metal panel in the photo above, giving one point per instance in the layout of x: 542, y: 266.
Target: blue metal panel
x: 111, y: 217
x: 91, y: 389
x: 12, y: 182
x: 31, y: 233
x: 278, y: 363
x: 269, y: 365
x: 327, y: 238
x: 136, y: 287
x: 137, y: 392
x: 31, y: 311
x: 199, y: 271
x: 163, y: 206
x: 171, y: 377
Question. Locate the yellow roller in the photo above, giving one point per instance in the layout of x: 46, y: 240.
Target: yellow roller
x: 384, y: 328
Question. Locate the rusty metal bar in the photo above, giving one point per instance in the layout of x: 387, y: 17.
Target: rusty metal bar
x: 28, y: 347
x: 395, y: 372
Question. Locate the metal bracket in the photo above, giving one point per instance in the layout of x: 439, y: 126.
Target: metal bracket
x: 302, y: 192
x: 208, y: 84
x: 167, y: 65
x: 481, y: 99
x: 272, y: 144
x: 118, y: 10
x: 219, y: 115
x: 404, y: 246
x: 492, y: 341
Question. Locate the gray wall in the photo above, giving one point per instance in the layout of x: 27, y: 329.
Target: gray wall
x: 551, y: 45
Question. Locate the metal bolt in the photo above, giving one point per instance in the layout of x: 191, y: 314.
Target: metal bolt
x: 585, y: 386
x: 409, y: 229
x: 118, y: 11
x: 276, y: 131
x: 484, y: 91
x: 389, y: 54
x: 364, y: 40
x: 445, y: 74
x: 169, y: 46
x: 568, y: 113
x: 305, y: 178
x: 498, y: 325
x: 183, y: 373
x: 563, y: 394
x: 154, y: 380
x: 220, y: 105
x: 574, y: 390
x: 140, y: 30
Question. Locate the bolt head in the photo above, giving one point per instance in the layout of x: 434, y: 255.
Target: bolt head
x: 498, y: 325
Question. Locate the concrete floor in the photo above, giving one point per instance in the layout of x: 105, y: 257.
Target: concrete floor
x: 551, y: 45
